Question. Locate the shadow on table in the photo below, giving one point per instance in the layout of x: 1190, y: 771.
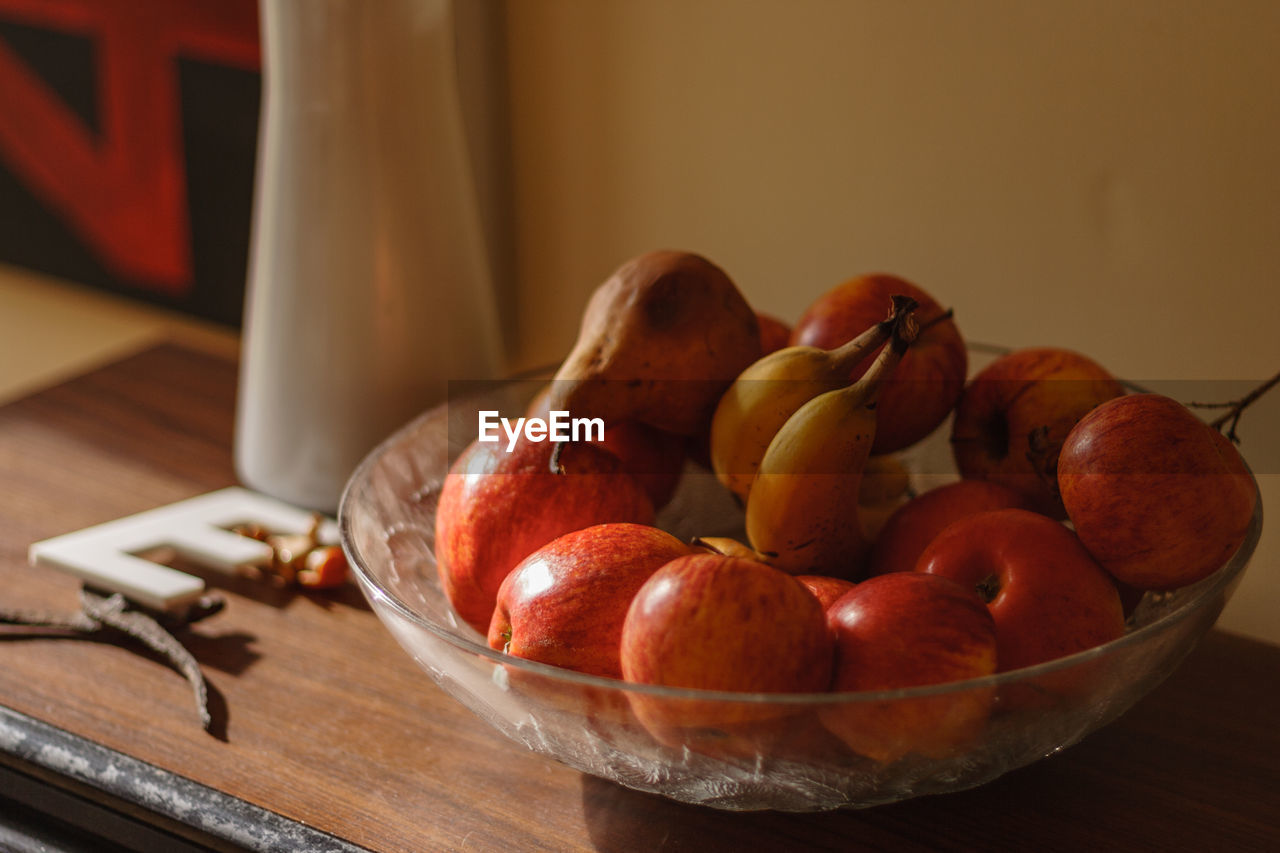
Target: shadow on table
x: 1193, y: 766
x: 264, y: 589
x: 1033, y: 808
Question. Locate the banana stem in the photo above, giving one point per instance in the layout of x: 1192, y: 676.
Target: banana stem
x: 905, y: 330
x: 846, y: 356
x: 905, y: 327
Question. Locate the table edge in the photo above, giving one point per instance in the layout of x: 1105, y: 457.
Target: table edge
x: 68, y: 762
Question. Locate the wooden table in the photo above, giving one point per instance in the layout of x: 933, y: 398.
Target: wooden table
x: 333, y: 738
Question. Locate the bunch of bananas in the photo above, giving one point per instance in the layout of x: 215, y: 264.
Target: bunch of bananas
x: 792, y: 439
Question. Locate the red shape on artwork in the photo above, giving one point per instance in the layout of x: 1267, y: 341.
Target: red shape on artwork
x: 123, y: 189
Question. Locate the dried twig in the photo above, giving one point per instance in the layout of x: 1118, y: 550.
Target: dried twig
x: 1235, y: 408
x: 112, y: 613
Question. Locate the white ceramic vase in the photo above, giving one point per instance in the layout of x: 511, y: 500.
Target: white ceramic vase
x: 369, y: 287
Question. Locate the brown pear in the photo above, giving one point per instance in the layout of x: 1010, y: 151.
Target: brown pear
x: 660, y: 341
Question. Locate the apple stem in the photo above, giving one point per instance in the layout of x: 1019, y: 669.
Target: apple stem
x: 988, y: 588
x: 941, y: 318
x: 1235, y: 408
x: 555, y: 465
x: 1042, y: 458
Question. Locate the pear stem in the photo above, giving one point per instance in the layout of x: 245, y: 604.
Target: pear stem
x: 1235, y: 408
x: 555, y: 466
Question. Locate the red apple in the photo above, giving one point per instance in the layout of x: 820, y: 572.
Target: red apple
x: 1014, y: 414
x: 654, y: 457
x: 908, y: 630
x: 914, y: 524
x: 826, y: 589
x: 774, y: 334
x: 498, y: 507
x: 713, y: 622
x: 925, y: 385
x: 1048, y: 597
x: 1158, y: 497
x: 564, y: 604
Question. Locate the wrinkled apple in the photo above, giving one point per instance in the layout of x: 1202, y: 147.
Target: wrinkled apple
x: 1014, y: 414
x: 1157, y: 496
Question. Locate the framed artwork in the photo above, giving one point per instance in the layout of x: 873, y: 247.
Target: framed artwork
x: 128, y: 133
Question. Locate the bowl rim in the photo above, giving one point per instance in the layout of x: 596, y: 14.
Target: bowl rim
x: 1207, y: 591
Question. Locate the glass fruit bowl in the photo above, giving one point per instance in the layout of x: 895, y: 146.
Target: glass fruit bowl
x: 732, y: 750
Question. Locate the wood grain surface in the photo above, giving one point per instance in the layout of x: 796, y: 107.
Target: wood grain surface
x: 327, y: 722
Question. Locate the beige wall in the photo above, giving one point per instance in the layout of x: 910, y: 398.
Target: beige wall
x: 1097, y: 175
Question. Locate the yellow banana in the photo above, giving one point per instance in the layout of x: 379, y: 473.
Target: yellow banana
x: 886, y: 485
x: 769, y: 391
x: 885, y: 480
x: 802, y: 511
x: 726, y: 546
